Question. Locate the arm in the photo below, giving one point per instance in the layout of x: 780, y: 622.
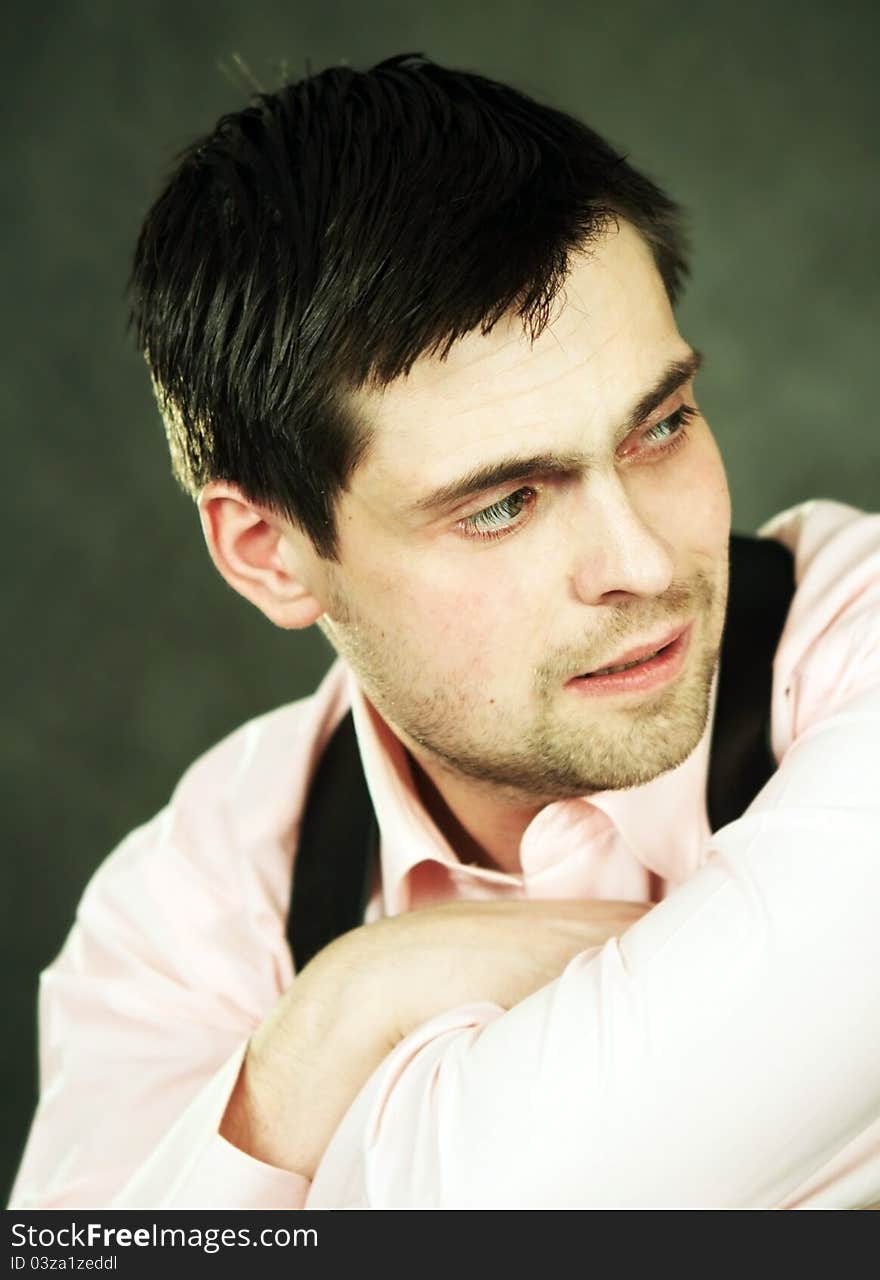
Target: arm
x: 164, y: 1082
x: 359, y: 997
x: 144, y: 1021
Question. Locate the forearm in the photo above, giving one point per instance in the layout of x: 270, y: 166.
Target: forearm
x: 304, y: 1067
x: 359, y: 997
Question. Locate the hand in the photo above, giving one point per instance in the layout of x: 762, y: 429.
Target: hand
x: 358, y: 997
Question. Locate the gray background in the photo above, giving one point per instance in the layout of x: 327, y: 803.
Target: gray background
x: 125, y: 654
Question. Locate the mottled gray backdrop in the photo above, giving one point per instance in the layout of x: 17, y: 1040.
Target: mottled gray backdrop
x: 125, y: 654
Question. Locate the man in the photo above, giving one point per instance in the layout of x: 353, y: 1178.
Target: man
x: 413, y: 340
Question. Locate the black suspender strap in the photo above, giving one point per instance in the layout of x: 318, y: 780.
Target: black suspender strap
x: 760, y: 592
x: 339, y: 837
x: 338, y: 842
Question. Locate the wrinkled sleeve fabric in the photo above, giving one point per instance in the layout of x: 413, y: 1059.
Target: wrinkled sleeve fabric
x: 176, y: 955
x: 725, y: 1050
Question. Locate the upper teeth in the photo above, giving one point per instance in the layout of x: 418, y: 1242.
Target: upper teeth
x: 624, y: 666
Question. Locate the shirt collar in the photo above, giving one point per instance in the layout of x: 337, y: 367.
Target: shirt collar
x: 409, y: 835
x: 663, y: 823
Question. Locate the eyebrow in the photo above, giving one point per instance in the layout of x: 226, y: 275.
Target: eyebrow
x: 494, y: 474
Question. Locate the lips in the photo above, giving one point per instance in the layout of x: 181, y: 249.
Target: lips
x: 623, y: 666
x: 639, y: 654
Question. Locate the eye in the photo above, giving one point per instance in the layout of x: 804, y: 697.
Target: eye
x: 669, y: 432
x: 502, y: 517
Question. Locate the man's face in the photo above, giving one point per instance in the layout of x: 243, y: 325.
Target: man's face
x: 471, y: 607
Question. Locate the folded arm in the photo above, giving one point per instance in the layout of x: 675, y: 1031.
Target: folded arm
x: 176, y: 1074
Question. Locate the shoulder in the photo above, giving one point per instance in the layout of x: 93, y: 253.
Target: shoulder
x: 217, y: 858
x: 256, y: 777
x: 836, y: 550
x: 829, y: 650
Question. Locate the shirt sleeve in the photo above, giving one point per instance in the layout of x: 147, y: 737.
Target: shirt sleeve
x: 724, y: 1050
x: 144, y: 1019
x: 193, y: 1167
x: 177, y: 953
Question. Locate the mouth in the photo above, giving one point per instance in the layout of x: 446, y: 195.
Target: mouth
x: 638, y: 669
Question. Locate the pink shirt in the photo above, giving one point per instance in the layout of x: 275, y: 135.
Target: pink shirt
x: 725, y: 1050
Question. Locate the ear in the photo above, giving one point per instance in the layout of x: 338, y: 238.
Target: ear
x: 263, y: 557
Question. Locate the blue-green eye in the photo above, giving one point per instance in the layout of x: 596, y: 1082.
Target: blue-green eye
x: 501, y: 517
x: 671, y: 426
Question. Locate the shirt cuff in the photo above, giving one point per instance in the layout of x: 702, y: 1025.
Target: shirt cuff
x: 225, y: 1177
x: 194, y: 1167
x: 343, y: 1177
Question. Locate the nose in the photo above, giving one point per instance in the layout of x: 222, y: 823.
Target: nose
x: 618, y: 553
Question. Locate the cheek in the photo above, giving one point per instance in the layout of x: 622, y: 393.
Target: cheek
x: 469, y: 621
x: 692, y: 505
x: 711, y: 495
x: 476, y: 619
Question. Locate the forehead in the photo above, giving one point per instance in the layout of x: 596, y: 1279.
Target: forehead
x: 611, y: 333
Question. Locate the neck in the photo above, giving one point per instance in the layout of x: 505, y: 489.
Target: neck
x: 482, y: 825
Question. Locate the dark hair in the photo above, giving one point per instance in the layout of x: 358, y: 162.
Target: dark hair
x: 329, y: 234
